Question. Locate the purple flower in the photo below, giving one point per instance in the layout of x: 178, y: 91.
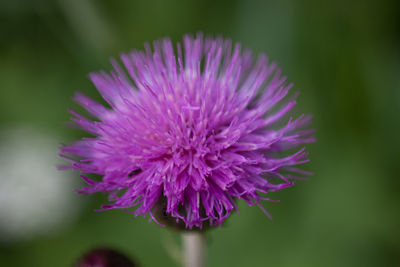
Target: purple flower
x: 104, y: 257
x: 196, y: 131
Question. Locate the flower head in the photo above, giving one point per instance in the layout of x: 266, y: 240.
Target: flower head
x: 104, y: 257
x: 197, y: 129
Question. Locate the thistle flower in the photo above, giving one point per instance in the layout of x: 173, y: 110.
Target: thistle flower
x: 104, y: 257
x: 196, y: 131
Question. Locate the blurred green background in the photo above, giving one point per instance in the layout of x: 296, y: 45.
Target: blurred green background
x: 344, y: 56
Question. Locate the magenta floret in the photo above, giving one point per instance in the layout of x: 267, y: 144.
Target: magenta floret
x: 198, y: 130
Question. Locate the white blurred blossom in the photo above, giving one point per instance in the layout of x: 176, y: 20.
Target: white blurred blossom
x: 35, y: 198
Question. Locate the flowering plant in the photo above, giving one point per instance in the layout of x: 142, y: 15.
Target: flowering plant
x: 195, y: 130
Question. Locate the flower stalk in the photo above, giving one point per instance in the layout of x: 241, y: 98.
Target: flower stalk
x: 194, y: 249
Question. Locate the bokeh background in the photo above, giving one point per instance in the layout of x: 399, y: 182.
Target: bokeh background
x: 344, y: 57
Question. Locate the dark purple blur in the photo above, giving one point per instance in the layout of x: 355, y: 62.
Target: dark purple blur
x: 104, y: 257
